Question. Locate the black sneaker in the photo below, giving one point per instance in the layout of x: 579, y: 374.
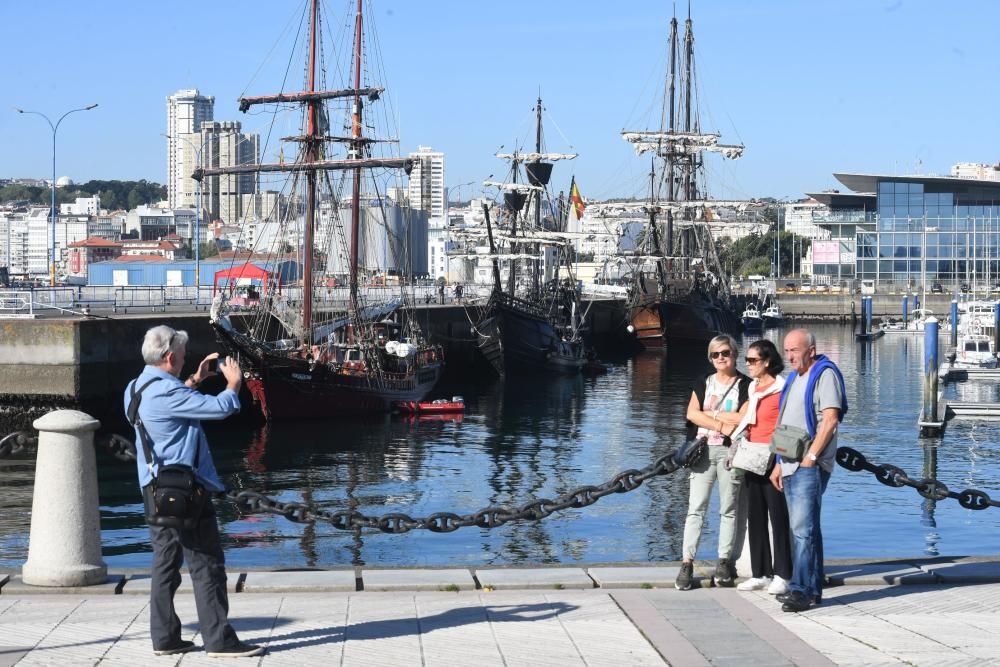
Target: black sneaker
x: 725, y: 574
x: 785, y: 597
x: 240, y: 650
x: 684, y: 577
x: 182, y: 646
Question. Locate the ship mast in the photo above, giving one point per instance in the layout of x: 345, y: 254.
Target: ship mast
x: 311, y: 163
x: 357, y: 145
x: 312, y: 153
x: 536, y: 264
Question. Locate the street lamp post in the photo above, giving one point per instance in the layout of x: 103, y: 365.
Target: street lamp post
x: 52, y: 212
x: 197, y: 214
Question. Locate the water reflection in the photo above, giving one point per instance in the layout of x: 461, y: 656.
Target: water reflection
x: 521, y: 440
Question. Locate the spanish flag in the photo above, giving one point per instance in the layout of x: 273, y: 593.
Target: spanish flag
x: 576, y: 208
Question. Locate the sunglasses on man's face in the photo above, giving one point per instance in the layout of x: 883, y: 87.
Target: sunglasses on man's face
x: 725, y: 354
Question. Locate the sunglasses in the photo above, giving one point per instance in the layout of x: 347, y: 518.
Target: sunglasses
x: 751, y: 360
x: 725, y: 354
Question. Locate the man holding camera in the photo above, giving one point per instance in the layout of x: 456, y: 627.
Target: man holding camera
x: 167, y: 416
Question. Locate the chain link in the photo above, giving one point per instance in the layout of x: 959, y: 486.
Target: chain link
x: 18, y: 442
x: 252, y: 501
x: 927, y: 487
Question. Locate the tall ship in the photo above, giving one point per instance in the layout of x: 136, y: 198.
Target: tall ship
x: 333, y: 338
x: 533, y: 320
x: 678, y: 290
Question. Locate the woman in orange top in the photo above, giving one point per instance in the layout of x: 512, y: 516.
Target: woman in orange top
x: 759, y: 416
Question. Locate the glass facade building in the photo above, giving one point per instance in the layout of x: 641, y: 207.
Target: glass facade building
x: 916, y: 230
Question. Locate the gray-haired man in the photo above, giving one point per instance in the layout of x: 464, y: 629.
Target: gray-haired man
x: 171, y: 412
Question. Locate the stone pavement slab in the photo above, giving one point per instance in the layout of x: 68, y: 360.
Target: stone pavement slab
x: 139, y: 584
x: 964, y: 572
x: 865, y: 574
x: 899, y: 625
x: 418, y: 580
x: 17, y: 587
x: 555, y: 578
x: 300, y: 582
x: 634, y: 577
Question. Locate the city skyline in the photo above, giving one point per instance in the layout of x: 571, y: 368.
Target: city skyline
x: 862, y: 86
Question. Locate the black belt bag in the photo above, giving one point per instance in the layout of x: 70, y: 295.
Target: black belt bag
x: 177, y: 498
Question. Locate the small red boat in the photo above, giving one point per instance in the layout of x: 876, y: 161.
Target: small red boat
x: 440, y: 406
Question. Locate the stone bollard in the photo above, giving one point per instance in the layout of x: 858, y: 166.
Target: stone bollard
x: 64, y: 547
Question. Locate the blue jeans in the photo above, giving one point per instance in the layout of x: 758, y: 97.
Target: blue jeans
x: 804, y: 494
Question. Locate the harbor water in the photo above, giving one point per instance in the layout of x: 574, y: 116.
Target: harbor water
x: 526, y: 438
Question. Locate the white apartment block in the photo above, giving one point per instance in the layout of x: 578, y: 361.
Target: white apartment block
x: 799, y: 218
x: 426, y: 191
x: 186, y: 111
x: 223, y: 145
x: 154, y: 223
x: 979, y: 172
x: 82, y: 206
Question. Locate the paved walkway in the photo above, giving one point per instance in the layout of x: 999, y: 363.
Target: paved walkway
x: 524, y: 619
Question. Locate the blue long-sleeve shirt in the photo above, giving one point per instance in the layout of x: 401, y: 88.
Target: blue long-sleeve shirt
x: 172, y: 414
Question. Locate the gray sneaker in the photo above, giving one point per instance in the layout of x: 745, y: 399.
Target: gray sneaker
x: 685, y: 577
x: 725, y: 573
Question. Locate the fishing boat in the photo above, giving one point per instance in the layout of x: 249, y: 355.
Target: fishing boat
x: 679, y: 292
x: 308, y: 350
x: 975, y: 350
x: 752, y: 320
x: 773, y: 316
x: 533, y: 321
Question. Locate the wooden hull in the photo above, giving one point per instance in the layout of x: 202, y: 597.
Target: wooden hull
x: 647, y: 325
x: 287, y: 388
x: 515, y: 340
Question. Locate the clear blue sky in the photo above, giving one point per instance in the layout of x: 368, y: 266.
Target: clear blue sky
x: 811, y: 87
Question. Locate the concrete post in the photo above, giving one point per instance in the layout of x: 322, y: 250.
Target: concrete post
x: 64, y: 547
x: 931, y: 365
x: 906, y: 310
x: 954, y: 323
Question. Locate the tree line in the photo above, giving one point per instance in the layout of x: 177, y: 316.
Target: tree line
x: 114, y: 194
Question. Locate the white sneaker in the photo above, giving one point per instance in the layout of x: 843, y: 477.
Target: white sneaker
x: 778, y: 586
x: 754, y: 584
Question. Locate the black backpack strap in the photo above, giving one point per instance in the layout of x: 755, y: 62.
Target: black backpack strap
x: 132, y: 413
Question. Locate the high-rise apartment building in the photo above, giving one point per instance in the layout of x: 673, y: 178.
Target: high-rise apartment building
x: 186, y: 111
x: 223, y: 145
x: 426, y: 191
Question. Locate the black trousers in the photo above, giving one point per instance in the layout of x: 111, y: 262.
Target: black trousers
x: 200, y: 547
x: 763, y: 501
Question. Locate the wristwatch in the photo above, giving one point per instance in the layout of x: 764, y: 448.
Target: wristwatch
x: 811, y: 456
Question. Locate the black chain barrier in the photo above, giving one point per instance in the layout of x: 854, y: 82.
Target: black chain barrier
x: 440, y: 522
x: 18, y: 442
x: 927, y: 487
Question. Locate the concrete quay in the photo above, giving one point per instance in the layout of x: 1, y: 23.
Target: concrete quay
x: 903, y: 612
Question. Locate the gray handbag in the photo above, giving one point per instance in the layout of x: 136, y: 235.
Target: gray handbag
x: 752, y: 456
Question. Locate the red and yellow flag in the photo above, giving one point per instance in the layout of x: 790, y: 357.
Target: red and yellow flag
x: 576, y: 201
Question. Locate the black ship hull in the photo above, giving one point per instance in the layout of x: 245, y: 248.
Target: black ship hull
x: 516, y: 337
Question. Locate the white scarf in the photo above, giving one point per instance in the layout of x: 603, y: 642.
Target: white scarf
x: 750, y: 418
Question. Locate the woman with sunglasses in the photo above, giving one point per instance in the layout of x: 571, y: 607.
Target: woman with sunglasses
x: 759, y: 416
x: 715, y: 402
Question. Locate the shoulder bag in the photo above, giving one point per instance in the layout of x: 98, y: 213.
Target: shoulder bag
x: 789, y: 442
x: 176, y: 499
x: 752, y: 456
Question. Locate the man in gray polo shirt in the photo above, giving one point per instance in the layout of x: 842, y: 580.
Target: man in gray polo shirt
x: 813, y: 400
